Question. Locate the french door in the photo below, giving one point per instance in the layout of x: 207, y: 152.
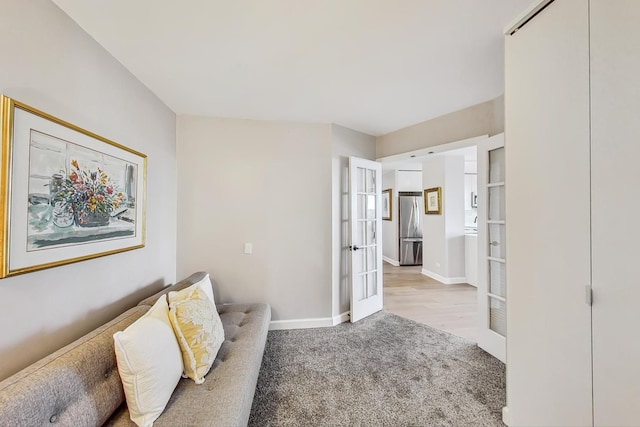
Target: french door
x: 492, y: 297
x: 365, y: 193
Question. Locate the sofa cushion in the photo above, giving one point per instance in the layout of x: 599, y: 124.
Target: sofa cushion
x: 225, y: 398
x: 149, y: 363
x: 77, y: 385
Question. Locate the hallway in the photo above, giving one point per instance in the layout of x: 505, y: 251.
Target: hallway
x: 451, y: 308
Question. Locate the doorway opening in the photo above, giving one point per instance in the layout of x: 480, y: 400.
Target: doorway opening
x: 426, y: 277
x: 460, y: 285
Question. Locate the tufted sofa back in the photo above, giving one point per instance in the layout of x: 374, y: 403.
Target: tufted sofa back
x: 185, y: 283
x: 78, y: 385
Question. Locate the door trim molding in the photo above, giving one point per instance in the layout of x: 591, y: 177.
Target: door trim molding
x: 422, y: 153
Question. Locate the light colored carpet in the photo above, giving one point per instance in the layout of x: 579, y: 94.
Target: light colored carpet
x: 382, y: 371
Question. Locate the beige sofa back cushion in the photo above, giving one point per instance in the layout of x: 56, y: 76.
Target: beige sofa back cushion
x: 78, y: 385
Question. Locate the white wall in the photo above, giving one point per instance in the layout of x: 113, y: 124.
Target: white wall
x: 433, y: 226
x: 266, y: 183
x: 390, y: 228
x: 409, y: 180
x: 50, y: 63
x: 443, y: 235
x: 345, y: 143
x: 453, y: 199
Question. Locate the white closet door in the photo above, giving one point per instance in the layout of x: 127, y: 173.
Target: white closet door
x: 548, y: 231
x: 615, y: 138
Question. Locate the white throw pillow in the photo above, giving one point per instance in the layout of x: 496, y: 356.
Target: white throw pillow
x: 149, y: 362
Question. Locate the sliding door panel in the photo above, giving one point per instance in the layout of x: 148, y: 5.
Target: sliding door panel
x: 548, y: 227
x: 615, y: 124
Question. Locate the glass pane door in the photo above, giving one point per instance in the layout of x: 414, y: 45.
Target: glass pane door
x: 366, y: 228
x: 496, y: 249
x: 364, y: 253
x: 492, y: 263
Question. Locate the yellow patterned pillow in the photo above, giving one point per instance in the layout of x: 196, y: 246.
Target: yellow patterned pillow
x: 198, y: 329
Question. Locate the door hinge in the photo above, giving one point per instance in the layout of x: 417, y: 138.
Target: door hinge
x: 588, y: 294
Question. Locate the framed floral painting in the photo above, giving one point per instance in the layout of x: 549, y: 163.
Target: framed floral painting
x: 66, y: 194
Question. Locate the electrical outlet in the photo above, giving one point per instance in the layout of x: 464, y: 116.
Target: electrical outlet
x: 248, y: 248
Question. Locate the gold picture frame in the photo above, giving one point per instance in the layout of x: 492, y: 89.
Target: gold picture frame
x: 433, y: 201
x: 66, y: 194
x: 387, y: 204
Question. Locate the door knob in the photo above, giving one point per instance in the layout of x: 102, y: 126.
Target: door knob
x: 353, y: 248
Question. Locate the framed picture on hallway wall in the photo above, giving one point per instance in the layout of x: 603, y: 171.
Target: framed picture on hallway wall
x: 67, y: 194
x: 433, y: 201
x: 387, y: 207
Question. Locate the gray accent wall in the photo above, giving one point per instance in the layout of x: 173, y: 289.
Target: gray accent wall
x: 283, y: 187
x: 265, y: 183
x: 48, y: 62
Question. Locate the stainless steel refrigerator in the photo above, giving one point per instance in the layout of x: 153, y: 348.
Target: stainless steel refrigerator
x: 410, y: 223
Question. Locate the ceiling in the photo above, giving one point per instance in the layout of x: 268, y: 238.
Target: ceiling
x: 371, y: 65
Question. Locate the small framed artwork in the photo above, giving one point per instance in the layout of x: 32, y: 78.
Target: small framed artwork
x: 387, y: 208
x: 66, y: 194
x: 433, y: 201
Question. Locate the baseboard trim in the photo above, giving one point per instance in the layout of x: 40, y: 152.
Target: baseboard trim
x: 445, y: 280
x: 391, y: 261
x: 505, y: 416
x: 318, y: 322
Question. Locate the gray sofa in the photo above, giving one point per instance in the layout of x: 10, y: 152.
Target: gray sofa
x: 79, y: 385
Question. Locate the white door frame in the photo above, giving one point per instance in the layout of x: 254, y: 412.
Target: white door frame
x: 421, y: 154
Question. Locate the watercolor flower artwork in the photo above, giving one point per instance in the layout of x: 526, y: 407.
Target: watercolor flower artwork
x: 66, y: 194
x: 91, y: 195
x: 77, y: 195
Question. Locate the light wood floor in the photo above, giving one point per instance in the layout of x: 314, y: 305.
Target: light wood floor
x: 451, y: 308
